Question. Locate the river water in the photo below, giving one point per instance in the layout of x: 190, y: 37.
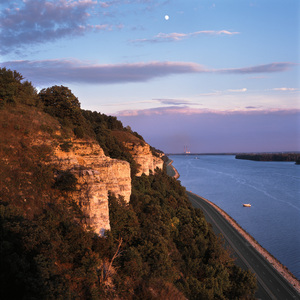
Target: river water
x: 272, y: 189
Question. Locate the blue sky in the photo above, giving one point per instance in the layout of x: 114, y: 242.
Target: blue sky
x: 217, y: 76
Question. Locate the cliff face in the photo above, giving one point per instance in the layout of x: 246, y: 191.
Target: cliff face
x: 140, y: 152
x: 97, y: 174
x: 27, y: 129
x: 143, y: 156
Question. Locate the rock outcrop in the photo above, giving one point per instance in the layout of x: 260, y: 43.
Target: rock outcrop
x: 143, y: 156
x: 96, y: 175
x: 140, y: 151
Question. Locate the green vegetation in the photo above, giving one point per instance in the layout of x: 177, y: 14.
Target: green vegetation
x: 159, y: 247
x: 104, y: 127
x: 169, y: 247
x: 61, y: 103
x: 13, y: 91
x: 47, y: 257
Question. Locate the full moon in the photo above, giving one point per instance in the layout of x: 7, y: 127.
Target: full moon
x: 167, y: 17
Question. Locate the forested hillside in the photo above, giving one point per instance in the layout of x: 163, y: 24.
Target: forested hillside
x: 159, y: 246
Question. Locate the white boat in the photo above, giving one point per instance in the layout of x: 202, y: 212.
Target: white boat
x: 247, y: 205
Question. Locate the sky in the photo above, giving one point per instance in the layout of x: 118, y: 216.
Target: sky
x: 213, y: 76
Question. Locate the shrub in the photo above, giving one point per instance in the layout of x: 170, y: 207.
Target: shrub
x: 65, y: 181
x: 79, y: 132
x: 66, y: 146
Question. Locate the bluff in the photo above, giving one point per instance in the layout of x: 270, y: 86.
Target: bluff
x: 81, y: 145
x: 28, y: 132
x: 57, y: 160
x: 96, y: 175
x: 146, y: 159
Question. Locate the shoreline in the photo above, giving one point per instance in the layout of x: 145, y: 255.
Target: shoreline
x: 277, y: 265
x: 173, y: 172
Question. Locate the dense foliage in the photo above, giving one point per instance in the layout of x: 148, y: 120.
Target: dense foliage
x: 159, y: 247
x: 61, y: 103
x: 169, y: 247
x: 13, y: 90
x: 48, y: 257
x: 103, y: 126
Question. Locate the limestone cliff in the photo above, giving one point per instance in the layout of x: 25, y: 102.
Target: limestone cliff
x: 141, y: 152
x: 144, y: 157
x: 97, y: 174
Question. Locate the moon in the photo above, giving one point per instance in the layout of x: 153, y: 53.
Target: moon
x: 167, y: 17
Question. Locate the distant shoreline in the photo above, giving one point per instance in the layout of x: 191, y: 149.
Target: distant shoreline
x: 295, y: 157
x: 238, y: 153
x: 290, y: 277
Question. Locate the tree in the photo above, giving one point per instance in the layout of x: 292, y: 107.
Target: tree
x: 13, y: 90
x: 60, y: 102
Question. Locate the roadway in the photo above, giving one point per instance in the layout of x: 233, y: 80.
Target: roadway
x: 271, y: 285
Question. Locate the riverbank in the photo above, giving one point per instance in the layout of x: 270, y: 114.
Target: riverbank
x: 171, y: 171
x: 272, y: 260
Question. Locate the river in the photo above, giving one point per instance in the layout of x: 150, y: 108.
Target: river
x: 272, y: 189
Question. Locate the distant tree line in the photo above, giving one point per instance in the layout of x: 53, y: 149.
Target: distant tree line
x: 270, y: 157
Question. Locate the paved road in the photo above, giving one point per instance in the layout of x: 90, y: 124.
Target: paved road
x: 271, y: 285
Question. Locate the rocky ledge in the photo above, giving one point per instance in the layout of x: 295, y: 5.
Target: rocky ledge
x: 96, y: 175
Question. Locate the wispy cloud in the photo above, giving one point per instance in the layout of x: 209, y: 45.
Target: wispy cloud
x: 285, y: 89
x: 267, y: 68
x: 253, y: 107
x: 157, y: 111
x: 176, y: 102
x: 238, y: 90
x: 186, y: 110
x: 148, y: 3
x: 75, y: 71
x: 177, y: 36
x: 40, y: 21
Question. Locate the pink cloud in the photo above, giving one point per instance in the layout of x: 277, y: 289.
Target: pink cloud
x: 186, y: 110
